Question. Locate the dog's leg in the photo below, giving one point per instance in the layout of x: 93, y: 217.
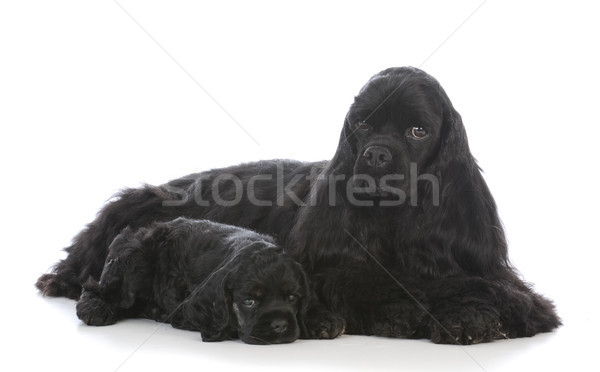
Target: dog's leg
x: 124, y: 278
x: 320, y: 323
x: 474, y: 310
x: 93, y: 307
x: 87, y: 254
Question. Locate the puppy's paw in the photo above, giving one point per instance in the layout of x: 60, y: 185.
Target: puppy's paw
x: 325, y: 325
x: 92, y: 310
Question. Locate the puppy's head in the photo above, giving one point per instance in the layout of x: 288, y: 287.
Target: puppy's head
x: 395, y: 129
x: 260, y: 296
x: 268, y: 296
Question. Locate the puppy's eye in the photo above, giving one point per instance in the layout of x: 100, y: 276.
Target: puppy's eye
x: 292, y: 298
x: 363, y: 126
x: 417, y: 133
x: 248, y: 302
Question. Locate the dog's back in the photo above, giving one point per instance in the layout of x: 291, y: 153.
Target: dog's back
x: 194, y: 247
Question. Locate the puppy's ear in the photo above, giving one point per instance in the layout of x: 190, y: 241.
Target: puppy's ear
x: 208, y: 309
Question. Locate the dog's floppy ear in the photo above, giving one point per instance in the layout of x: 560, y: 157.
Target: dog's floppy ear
x: 454, y: 145
x: 208, y: 309
x: 465, y: 226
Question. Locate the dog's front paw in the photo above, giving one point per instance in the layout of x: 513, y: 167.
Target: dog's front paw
x: 92, y: 310
x: 469, y: 326
x: 325, y: 325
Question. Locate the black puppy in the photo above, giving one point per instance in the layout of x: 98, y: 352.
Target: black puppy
x: 224, y: 281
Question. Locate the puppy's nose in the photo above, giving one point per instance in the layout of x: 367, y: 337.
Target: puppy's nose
x: 377, y: 156
x: 279, y: 325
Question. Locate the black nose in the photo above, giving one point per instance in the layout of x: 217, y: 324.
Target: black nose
x: 377, y: 156
x: 279, y: 325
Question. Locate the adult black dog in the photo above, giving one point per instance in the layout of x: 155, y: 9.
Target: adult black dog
x: 399, y: 231
x: 224, y: 281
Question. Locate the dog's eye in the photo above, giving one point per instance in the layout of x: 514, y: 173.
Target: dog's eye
x: 417, y: 133
x: 364, y: 126
x: 248, y: 302
x: 292, y: 298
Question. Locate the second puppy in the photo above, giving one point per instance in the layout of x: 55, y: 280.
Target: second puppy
x: 223, y: 281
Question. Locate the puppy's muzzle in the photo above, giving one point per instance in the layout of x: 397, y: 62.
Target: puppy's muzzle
x: 377, y: 156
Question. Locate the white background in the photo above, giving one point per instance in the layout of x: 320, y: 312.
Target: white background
x: 90, y: 103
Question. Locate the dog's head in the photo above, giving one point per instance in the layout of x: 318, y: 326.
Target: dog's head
x: 260, y: 296
x: 268, y: 297
x: 400, y: 125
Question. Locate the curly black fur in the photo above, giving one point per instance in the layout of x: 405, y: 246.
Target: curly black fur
x: 399, y: 231
x: 224, y: 281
